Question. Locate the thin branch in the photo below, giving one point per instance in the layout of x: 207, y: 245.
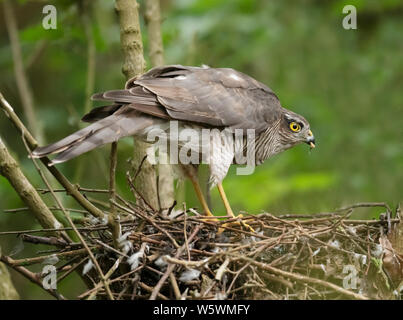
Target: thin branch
x: 32, y: 143
x: 10, y: 169
x: 40, y: 259
x: 302, y: 278
x: 113, y: 218
x: 32, y: 277
x: 143, y: 216
x: 175, y: 286
x: 82, y: 240
x: 171, y: 267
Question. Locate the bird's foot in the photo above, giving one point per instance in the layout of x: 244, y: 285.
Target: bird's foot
x: 237, y: 222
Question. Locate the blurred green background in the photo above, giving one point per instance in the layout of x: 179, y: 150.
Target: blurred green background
x: 347, y: 83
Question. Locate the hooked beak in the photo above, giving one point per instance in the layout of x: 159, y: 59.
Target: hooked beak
x: 310, y: 139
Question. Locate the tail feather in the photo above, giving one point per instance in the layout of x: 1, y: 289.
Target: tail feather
x: 110, y: 129
x: 133, y: 95
x: 66, y: 142
x: 99, y: 113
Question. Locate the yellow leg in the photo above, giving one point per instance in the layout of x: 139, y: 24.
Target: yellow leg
x: 229, y: 210
x: 200, y: 196
x: 225, y: 200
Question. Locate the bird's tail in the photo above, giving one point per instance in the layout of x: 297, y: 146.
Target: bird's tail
x: 124, y: 122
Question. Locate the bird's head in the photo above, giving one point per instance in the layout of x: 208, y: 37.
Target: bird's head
x: 295, y: 129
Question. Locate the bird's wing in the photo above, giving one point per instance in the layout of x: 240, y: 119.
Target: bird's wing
x: 214, y: 97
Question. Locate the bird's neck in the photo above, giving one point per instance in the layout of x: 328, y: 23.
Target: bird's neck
x: 268, y: 143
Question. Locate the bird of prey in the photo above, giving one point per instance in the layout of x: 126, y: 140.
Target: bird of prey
x: 196, y: 97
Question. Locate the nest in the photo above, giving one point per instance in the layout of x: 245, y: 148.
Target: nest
x: 139, y: 253
x: 182, y: 256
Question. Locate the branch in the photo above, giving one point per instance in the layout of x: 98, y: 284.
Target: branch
x: 302, y: 278
x: 32, y: 143
x: 171, y: 267
x: 130, y: 38
x: 10, y: 169
x: 33, y: 277
x: 113, y: 218
x: 20, y: 75
x: 153, y: 20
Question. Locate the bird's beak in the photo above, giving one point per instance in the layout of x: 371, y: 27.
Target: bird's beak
x: 310, y: 139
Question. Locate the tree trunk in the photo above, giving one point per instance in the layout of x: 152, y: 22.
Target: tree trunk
x: 134, y: 65
x: 156, y: 51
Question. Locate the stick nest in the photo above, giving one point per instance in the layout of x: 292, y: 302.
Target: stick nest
x: 177, y: 256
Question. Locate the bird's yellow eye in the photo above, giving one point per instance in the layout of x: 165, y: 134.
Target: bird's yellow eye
x: 295, y: 126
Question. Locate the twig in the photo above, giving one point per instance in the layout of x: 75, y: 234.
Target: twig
x: 170, y: 268
x: 366, y: 205
x: 113, y: 219
x: 32, y: 277
x: 151, y: 290
x: 185, y: 235
x: 58, y: 202
x: 111, y: 248
x: 79, y: 188
x: 299, y: 277
x: 67, y: 214
x: 187, y: 264
x: 71, y: 269
x: 32, y: 143
x: 50, y: 208
x: 10, y: 169
x: 221, y: 270
x: 52, y: 241
x: 149, y: 220
x: 175, y: 286
x: 40, y: 259
x: 133, y: 187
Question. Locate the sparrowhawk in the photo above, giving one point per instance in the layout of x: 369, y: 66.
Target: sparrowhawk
x: 195, y: 97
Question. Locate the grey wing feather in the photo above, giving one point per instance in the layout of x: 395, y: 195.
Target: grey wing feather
x: 123, y: 123
x: 216, y: 97
x: 213, y: 97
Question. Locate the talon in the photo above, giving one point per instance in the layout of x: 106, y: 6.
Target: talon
x: 239, y: 222
x: 247, y: 226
